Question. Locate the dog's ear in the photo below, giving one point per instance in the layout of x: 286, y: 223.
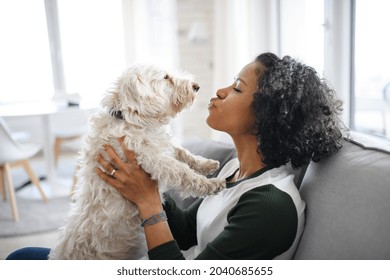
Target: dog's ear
x: 135, y: 87
x: 111, y: 99
x: 125, y: 92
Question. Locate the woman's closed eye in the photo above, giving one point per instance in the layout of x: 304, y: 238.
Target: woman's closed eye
x: 237, y: 85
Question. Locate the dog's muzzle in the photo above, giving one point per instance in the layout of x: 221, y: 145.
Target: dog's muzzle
x: 195, y: 87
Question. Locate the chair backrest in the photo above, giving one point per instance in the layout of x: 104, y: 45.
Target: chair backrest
x: 10, y: 150
x: 70, y: 123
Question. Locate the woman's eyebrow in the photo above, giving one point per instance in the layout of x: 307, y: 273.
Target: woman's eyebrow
x: 241, y: 80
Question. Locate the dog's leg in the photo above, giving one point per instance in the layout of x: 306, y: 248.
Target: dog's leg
x: 198, y: 163
x: 179, y: 174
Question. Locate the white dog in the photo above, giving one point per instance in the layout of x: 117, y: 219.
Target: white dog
x: 102, y: 224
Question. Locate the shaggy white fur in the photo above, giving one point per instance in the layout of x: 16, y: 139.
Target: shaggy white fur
x: 102, y: 224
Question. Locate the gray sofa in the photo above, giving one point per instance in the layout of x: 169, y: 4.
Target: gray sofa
x: 347, y: 198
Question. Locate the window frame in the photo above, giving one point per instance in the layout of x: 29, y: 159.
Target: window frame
x: 352, y: 86
x: 53, y: 29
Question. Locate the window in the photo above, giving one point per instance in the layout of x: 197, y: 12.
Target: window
x: 25, y: 68
x: 54, y: 47
x: 371, y: 84
x: 92, y: 41
x: 302, y: 31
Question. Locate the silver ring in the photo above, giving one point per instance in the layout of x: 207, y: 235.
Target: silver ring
x: 113, y: 172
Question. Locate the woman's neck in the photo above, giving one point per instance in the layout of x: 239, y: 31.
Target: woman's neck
x: 248, y: 156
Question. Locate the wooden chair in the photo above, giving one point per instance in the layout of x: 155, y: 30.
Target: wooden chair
x: 13, y: 154
x: 69, y: 126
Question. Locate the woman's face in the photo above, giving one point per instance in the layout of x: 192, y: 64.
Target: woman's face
x: 231, y: 111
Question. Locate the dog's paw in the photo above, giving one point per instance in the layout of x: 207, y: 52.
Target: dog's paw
x: 220, y: 185
x: 207, y: 166
x: 211, y: 186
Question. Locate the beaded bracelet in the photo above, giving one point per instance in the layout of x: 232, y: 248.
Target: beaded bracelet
x: 154, y: 219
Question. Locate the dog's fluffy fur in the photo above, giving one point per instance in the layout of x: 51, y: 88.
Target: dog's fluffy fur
x: 102, y: 224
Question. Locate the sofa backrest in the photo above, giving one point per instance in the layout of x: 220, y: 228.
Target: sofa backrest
x: 220, y: 151
x: 348, y: 203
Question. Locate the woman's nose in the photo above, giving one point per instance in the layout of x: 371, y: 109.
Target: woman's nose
x: 221, y: 93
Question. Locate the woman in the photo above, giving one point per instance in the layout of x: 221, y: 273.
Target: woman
x: 276, y: 111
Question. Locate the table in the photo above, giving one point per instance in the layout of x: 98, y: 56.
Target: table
x: 44, y: 109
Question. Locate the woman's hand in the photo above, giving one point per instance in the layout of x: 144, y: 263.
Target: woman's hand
x: 130, y: 179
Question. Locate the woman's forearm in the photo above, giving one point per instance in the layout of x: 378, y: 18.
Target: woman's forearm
x: 157, y: 234
x: 157, y: 231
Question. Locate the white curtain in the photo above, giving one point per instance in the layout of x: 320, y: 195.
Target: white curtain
x: 243, y: 29
x: 93, y: 52
x: 150, y: 28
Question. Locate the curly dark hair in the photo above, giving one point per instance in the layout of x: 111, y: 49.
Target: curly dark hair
x: 297, y: 114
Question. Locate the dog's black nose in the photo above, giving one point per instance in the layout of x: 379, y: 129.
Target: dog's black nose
x: 195, y: 86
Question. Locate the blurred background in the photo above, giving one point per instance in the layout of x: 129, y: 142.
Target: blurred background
x: 58, y: 57
x: 59, y: 49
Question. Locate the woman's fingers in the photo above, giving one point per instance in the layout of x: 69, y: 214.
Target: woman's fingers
x: 108, y: 167
x: 130, y: 155
x: 108, y: 179
x: 127, y: 177
x: 112, y: 164
x: 114, y: 158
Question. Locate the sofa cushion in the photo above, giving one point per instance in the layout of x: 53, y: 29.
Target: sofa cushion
x: 348, y: 203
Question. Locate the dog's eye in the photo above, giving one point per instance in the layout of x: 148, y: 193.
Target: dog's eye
x: 166, y: 77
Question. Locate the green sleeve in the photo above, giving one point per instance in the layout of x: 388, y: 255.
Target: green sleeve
x: 166, y: 251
